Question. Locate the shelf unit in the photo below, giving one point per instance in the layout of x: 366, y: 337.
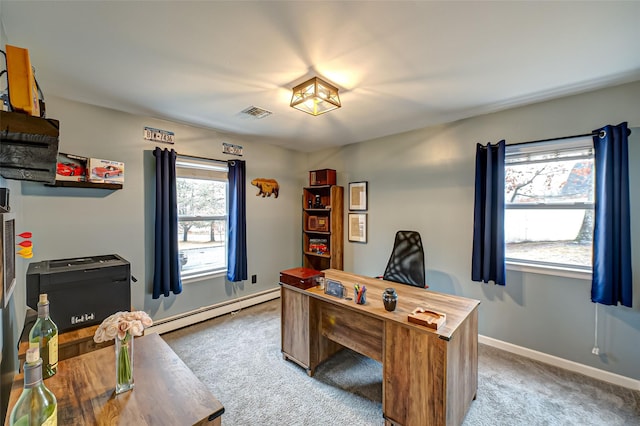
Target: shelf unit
x: 323, y: 235
x: 72, y: 184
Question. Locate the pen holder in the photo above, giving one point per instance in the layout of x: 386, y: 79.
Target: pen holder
x: 360, y: 294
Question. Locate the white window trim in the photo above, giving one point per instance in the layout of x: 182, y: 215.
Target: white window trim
x: 204, y: 276
x: 558, y: 271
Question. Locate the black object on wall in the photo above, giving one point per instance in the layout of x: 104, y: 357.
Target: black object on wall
x: 4, y: 200
x: 28, y: 147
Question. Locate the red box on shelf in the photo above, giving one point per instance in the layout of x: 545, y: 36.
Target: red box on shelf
x: 322, y: 177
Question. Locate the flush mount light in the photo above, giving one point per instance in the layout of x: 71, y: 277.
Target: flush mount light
x: 315, y: 97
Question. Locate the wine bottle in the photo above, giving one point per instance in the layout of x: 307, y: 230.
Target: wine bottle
x: 44, y: 335
x: 37, y: 406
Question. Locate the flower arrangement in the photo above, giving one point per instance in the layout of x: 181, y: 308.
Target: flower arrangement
x: 123, y: 326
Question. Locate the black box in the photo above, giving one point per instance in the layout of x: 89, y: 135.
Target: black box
x: 81, y: 291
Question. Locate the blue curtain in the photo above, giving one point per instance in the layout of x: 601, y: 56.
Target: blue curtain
x: 237, y: 260
x: 612, y: 280
x: 166, y: 272
x: 488, y: 263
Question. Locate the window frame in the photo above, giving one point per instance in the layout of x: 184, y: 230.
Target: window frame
x: 188, y: 167
x: 560, y: 145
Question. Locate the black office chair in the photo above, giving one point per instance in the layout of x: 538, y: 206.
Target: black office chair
x: 406, y: 264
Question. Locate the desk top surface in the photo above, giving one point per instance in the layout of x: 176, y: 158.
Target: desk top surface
x: 456, y: 308
x: 166, y: 391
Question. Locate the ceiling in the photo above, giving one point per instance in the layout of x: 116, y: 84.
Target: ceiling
x: 399, y: 65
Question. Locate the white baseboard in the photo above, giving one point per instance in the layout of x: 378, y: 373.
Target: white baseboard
x: 595, y: 373
x: 193, y: 317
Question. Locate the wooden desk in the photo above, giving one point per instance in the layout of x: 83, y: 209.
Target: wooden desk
x: 166, y: 391
x: 429, y: 377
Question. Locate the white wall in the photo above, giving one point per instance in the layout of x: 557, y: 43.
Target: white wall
x: 424, y: 180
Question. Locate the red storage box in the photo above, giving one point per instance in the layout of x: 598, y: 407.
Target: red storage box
x: 301, y: 277
x: 322, y: 177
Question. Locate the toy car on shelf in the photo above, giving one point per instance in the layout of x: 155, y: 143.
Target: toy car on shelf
x: 70, y: 169
x: 106, y: 172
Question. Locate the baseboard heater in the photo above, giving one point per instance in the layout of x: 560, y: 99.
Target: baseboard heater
x: 205, y: 313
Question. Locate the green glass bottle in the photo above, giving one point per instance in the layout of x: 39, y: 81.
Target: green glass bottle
x: 37, y: 406
x: 44, y: 335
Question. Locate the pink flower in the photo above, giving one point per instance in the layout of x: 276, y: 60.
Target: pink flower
x: 123, y: 328
x: 121, y: 323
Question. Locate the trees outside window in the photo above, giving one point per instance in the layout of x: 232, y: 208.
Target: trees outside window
x: 549, y: 202
x: 202, y: 216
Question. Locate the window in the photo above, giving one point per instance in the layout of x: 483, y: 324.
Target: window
x: 202, y: 191
x: 549, y: 208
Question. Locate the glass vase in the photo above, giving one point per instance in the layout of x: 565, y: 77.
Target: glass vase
x: 124, y: 363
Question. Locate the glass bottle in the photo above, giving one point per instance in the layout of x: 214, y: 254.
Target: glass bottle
x: 44, y: 335
x: 36, y: 406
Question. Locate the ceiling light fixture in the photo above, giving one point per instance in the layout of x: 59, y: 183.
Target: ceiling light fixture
x: 315, y: 97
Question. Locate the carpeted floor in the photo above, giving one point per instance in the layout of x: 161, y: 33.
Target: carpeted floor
x: 238, y: 357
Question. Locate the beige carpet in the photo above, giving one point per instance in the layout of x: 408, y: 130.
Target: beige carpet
x: 238, y: 357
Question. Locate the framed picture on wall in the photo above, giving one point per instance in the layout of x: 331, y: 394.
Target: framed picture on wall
x: 358, y: 227
x: 358, y: 196
x: 7, y: 256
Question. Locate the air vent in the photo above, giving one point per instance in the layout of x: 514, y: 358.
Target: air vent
x: 256, y: 112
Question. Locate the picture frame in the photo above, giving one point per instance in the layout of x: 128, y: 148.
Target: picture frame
x: 357, y: 228
x: 7, y: 256
x: 358, y: 196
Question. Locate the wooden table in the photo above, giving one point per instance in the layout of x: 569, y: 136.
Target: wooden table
x: 429, y: 377
x: 70, y: 343
x: 166, y: 391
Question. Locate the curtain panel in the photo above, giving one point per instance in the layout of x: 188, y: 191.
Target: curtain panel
x: 488, y: 259
x: 612, y: 279
x: 237, y: 257
x: 166, y: 273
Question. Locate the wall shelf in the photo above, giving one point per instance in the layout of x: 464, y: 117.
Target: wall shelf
x: 71, y: 184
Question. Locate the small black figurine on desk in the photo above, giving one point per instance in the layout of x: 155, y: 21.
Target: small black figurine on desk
x: 389, y: 298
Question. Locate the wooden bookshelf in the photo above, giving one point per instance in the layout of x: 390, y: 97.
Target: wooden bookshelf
x: 322, y: 215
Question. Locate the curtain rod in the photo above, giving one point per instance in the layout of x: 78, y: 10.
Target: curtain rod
x: 595, y: 132
x: 200, y: 158
x: 555, y: 139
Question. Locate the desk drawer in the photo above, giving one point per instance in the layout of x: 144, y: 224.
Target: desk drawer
x: 352, y: 329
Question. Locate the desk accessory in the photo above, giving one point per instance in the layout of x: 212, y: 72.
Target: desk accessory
x: 303, y: 278
x: 390, y: 298
x: 335, y: 288
x: 360, y: 292
x: 427, y: 318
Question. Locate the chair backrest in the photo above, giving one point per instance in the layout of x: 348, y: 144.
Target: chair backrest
x: 406, y: 264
